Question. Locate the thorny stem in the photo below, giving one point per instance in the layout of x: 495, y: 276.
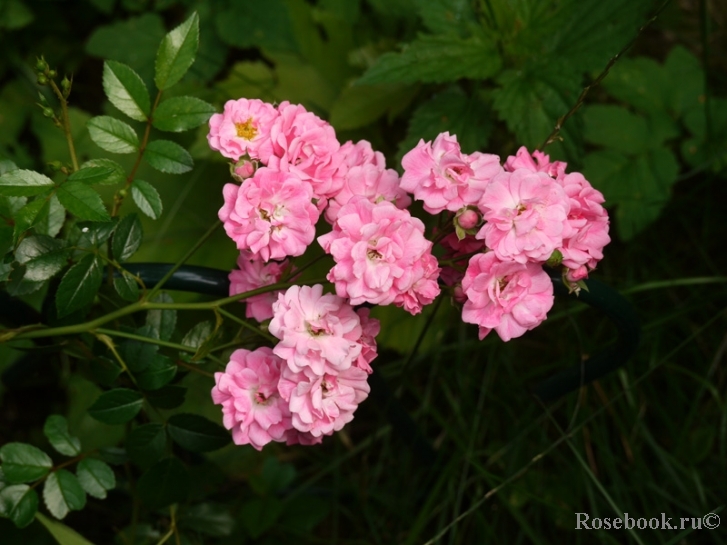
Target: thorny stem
x: 66, y: 124
x: 553, y: 136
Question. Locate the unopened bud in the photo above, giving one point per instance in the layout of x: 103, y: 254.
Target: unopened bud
x: 43, y: 101
x: 42, y: 80
x: 555, y: 259
x: 242, y: 170
x: 468, y: 219
x: 123, y: 193
x: 52, y: 74
x: 47, y: 112
x: 55, y: 165
x: 458, y: 294
x: 40, y: 65
x: 66, y: 85
x: 574, y: 275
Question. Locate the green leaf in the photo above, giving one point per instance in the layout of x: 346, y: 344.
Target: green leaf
x: 9, y: 206
x: 531, y: 101
x: 197, y: 434
x: 42, y: 256
x: 62, y: 493
x: 360, y: 105
x: 179, y: 114
x: 159, y: 372
x: 147, y: 443
x: 639, y: 82
x: 20, y: 183
x: 116, y: 406
x: 176, y: 53
x: 436, y: 59
x: 196, y: 336
x: 113, y: 135
x: 685, y: 80
x: 92, y: 234
x: 169, y: 157
x: 164, y: 483
x: 56, y: 430
x: 163, y: 321
x: 126, y: 90
x: 17, y: 285
x: 260, y: 514
x: 126, y: 286
x: 50, y: 218
x: 208, y: 518
x: 24, y: 463
x: 445, y: 16
x: 92, y: 175
x: 26, y: 216
x: 62, y: 533
x: 117, y: 175
x: 127, y: 237
x: 146, y: 198
x: 82, y: 201
x: 450, y: 110
x: 79, y: 285
x: 19, y: 503
x: 95, y: 477
x: 615, y: 127
x: 6, y: 239
x: 139, y: 355
x: 169, y: 397
x: 639, y: 186
x: 263, y: 24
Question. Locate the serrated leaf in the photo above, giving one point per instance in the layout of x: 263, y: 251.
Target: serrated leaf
x: 264, y: 24
x: 19, y: 503
x: 92, y: 175
x: 260, y: 514
x: 95, y: 477
x: 207, y: 518
x: 198, y: 334
x: 117, y: 175
x: 685, y: 79
x: 159, y: 372
x: 79, y: 285
x: 436, y: 59
x: 164, y: 483
x: 26, y: 216
x: 6, y: 240
x: 62, y: 493
x: 615, y: 127
x: 9, y: 206
x: 163, y: 321
x: 50, y: 217
x: 23, y: 463
x: 197, y: 434
x: 82, y: 201
x: 62, y: 533
x: 113, y: 135
x: 450, y: 110
x: 126, y: 286
x: 23, y: 183
x: 147, y: 443
x: 531, y: 101
x: 146, y: 198
x: 176, y: 53
x: 639, y: 82
x: 178, y: 114
x: 138, y: 355
x: 127, y: 237
x: 116, y: 406
x: 56, y: 430
x: 169, y: 157
x: 42, y: 256
x: 94, y: 233
x: 17, y: 285
x: 445, y: 16
x: 126, y: 90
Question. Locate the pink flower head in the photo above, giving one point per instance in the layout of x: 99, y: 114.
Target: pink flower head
x: 243, y: 128
x: 587, y: 228
x: 322, y: 404
x: 271, y: 214
x: 251, y: 404
x: 444, y: 178
x: 318, y: 331
x: 537, y: 162
x: 526, y: 213
x: 370, y: 327
x: 506, y: 296
x: 381, y: 255
x: 252, y: 274
x: 371, y: 182
x: 307, y: 147
x: 359, y: 154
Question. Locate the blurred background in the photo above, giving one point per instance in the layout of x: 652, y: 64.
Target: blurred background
x: 482, y: 460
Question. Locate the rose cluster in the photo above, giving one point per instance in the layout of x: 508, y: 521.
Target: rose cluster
x: 502, y: 224
x: 509, y: 221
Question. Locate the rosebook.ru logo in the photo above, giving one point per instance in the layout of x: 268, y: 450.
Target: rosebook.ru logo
x: 584, y: 521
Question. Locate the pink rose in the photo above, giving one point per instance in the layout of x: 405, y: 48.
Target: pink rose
x: 243, y: 128
x: 252, y: 274
x: 537, y: 162
x: 506, y: 296
x: 251, y: 404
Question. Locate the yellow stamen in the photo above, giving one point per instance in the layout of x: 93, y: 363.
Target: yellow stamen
x: 246, y: 130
